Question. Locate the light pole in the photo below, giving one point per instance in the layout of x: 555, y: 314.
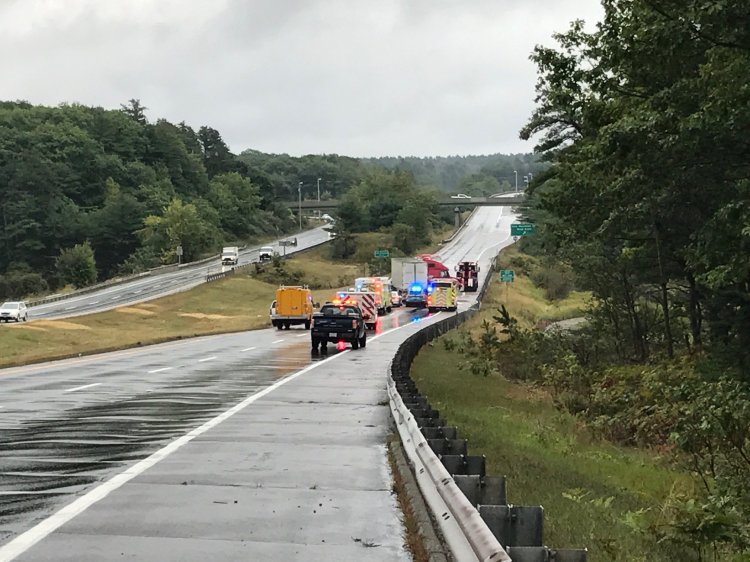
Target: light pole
x: 299, y: 193
x: 526, y: 182
x: 318, y: 190
x: 516, y: 173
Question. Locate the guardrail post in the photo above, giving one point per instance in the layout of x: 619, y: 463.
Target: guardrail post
x: 515, y: 525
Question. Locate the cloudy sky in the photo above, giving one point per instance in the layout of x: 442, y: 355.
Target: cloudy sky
x: 356, y: 77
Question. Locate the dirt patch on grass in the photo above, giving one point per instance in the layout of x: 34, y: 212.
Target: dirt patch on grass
x: 60, y: 325
x: 134, y: 310
x: 201, y: 316
x: 148, y: 305
x: 29, y: 327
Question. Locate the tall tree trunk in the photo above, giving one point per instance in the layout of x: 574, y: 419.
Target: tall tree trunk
x: 663, y: 282
x: 639, y: 345
x: 695, y: 312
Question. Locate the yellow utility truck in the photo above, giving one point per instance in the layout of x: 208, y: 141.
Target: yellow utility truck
x: 293, y: 306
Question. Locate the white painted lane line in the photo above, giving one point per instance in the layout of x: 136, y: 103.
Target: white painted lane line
x: 94, y: 302
x: 248, y: 349
x: 207, y: 359
x: 84, y: 386
x: 160, y: 370
x: 70, y: 308
x: 115, y: 297
x: 303, y: 335
x: 277, y: 341
x: 26, y: 540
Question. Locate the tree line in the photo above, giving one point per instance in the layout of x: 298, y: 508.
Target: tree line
x: 645, y: 121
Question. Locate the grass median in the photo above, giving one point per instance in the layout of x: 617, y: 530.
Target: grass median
x: 588, y: 487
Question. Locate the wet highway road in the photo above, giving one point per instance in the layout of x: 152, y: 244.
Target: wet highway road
x: 158, y: 285
x: 69, y: 429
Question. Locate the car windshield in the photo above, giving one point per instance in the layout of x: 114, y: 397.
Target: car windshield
x: 12, y: 305
x: 266, y: 249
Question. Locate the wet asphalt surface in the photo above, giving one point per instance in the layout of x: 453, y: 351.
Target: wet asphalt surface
x: 159, y: 285
x: 67, y: 427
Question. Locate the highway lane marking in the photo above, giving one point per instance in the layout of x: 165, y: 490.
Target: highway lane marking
x: 160, y: 370
x: 44, y: 528
x: 70, y: 308
x: 248, y: 349
x: 84, y: 386
x: 303, y: 335
x: 115, y: 297
x: 94, y: 302
x: 207, y: 359
x: 277, y: 341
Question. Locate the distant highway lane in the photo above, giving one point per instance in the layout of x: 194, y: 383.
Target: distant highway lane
x: 159, y: 285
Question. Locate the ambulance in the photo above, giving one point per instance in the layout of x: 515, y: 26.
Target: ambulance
x: 367, y: 302
x: 381, y: 289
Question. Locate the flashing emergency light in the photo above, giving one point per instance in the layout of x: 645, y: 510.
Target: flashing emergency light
x: 415, y: 288
x: 430, y: 288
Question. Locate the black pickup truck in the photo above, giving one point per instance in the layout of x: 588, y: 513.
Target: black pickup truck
x: 338, y: 322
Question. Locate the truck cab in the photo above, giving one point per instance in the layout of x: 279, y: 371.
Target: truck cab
x: 265, y: 254
x: 230, y: 255
x: 435, y: 269
x: 442, y: 294
x: 468, y: 273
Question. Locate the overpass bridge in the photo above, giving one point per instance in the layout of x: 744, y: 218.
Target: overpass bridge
x: 332, y: 204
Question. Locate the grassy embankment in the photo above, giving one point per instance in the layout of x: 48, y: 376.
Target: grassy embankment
x: 586, y: 486
x: 234, y: 304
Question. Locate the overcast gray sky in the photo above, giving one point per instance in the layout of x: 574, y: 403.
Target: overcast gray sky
x: 356, y: 77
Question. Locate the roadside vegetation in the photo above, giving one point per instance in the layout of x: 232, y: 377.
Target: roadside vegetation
x: 596, y: 492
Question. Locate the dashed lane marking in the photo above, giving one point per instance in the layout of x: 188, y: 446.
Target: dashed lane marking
x: 160, y: 370
x: 207, y: 359
x: 83, y: 387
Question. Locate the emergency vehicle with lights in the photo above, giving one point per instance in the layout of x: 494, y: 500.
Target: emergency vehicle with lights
x: 442, y: 294
x: 468, y: 273
x: 366, y: 300
x: 338, y: 322
x: 379, y: 288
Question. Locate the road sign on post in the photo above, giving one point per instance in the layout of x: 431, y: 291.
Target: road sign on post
x: 382, y: 253
x: 507, y: 275
x: 521, y: 229
x: 178, y: 251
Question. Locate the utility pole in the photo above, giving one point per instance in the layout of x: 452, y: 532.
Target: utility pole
x: 516, y: 173
x: 318, y: 190
x: 299, y: 193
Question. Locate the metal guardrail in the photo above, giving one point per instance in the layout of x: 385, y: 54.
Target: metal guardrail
x: 474, y: 502
x: 89, y: 289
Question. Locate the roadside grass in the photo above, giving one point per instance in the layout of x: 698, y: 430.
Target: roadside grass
x: 234, y: 304
x: 548, y: 455
x: 587, y: 486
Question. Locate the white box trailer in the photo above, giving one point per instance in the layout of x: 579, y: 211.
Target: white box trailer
x: 408, y: 271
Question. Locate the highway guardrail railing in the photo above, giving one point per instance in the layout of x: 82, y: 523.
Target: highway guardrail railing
x: 469, y: 505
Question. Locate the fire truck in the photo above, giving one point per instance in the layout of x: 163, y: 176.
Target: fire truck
x: 442, y: 294
x: 468, y: 274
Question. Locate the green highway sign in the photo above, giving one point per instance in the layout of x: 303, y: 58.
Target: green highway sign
x: 382, y: 253
x: 521, y: 229
x: 507, y: 275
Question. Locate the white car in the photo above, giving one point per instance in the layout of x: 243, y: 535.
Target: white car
x: 15, y: 311
x: 461, y: 196
x: 327, y: 218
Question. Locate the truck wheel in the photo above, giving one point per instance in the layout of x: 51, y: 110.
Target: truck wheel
x: 315, y: 345
x: 355, y: 343
x: 363, y: 341
x: 307, y: 324
x: 287, y: 325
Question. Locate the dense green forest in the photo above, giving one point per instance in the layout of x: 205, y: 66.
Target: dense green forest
x: 88, y: 193
x: 646, y: 121
x: 473, y: 175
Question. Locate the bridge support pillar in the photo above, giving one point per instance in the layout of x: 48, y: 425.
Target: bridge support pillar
x: 457, y: 213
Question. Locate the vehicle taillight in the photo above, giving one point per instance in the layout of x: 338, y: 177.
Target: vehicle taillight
x: 354, y: 324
